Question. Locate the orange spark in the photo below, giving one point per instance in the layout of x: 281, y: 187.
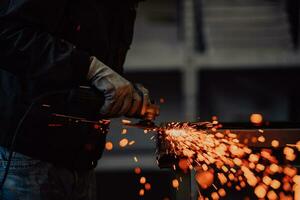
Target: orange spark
x: 142, y: 192
x: 204, y: 178
x: 142, y: 180
x: 256, y: 118
x: 175, y: 183
x: 137, y: 170
x: 275, y: 143
x: 147, y: 186
x: 260, y: 191
x: 272, y: 195
x: 123, y: 142
x: 222, y: 192
x: 124, y: 131
x: 109, y: 146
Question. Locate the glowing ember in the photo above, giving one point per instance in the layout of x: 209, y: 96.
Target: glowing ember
x: 184, y: 164
x: 142, y: 192
x: 125, y: 121
x: 286, y: 187
x: 256, y: 118
x: 261, y: 139
x: 260, y: 130
x: 272, y: 195
x: 142, y: 180
x: 123, y: 142
x: 177, y: 133
x: 260, y: 191
x: 296, y: 179
x: 253, y: 158
x: 109, y: 146
x: 267, y: 180
x: 147, y: 186
x: 204, y: 178
x: 222, y: 178
x: 124, y: 131
x: 137, y: 170
x: 289, y: 153
x: 275, y: 184
x: 290, y: 171
x: 175, y: 183
x: 222, y: 192
x: 213, y: 153
x: 275, y: 143
x: 215, y: 196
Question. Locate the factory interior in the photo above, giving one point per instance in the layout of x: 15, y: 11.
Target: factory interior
x: 210, y: 64
x: 224, y: 58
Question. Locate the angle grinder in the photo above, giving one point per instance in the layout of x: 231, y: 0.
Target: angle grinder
x: 84, y: 104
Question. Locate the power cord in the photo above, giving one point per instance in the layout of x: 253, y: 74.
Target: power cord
x: 11, y: 148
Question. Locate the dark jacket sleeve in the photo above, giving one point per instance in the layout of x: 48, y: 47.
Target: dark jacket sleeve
x: 42, y: 61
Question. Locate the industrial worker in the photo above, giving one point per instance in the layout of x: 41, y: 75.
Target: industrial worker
x: 52, y: 47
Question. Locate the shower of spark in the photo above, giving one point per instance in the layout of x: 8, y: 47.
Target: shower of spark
x: 223, y: 163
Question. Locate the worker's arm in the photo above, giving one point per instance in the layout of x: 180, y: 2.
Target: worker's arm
x: 44, y: 63
x: 40, y: 59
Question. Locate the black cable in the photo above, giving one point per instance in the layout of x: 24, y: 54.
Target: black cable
x: 13, y: 144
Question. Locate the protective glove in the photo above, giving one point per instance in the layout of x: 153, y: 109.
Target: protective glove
x: 140, y: 102
x: 121, y: 98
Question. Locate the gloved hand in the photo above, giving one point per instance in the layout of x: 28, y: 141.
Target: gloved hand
x: 141, y: 100
x: 148, y: 110
x: 121, y: 98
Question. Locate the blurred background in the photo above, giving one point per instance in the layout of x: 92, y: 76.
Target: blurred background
x: 225, y: 58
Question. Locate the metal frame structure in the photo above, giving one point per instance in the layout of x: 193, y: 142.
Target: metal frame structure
x: 190, y: 62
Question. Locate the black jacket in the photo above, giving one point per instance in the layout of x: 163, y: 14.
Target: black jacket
x: 45, y: 48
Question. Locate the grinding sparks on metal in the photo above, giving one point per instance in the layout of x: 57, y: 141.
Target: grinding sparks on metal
x: 222, y: 162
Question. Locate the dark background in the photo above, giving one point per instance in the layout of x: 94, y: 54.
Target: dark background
x: 246, y: 58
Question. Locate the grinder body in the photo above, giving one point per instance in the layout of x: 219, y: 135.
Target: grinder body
x: 67, y: 128
x: 85, y: 102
